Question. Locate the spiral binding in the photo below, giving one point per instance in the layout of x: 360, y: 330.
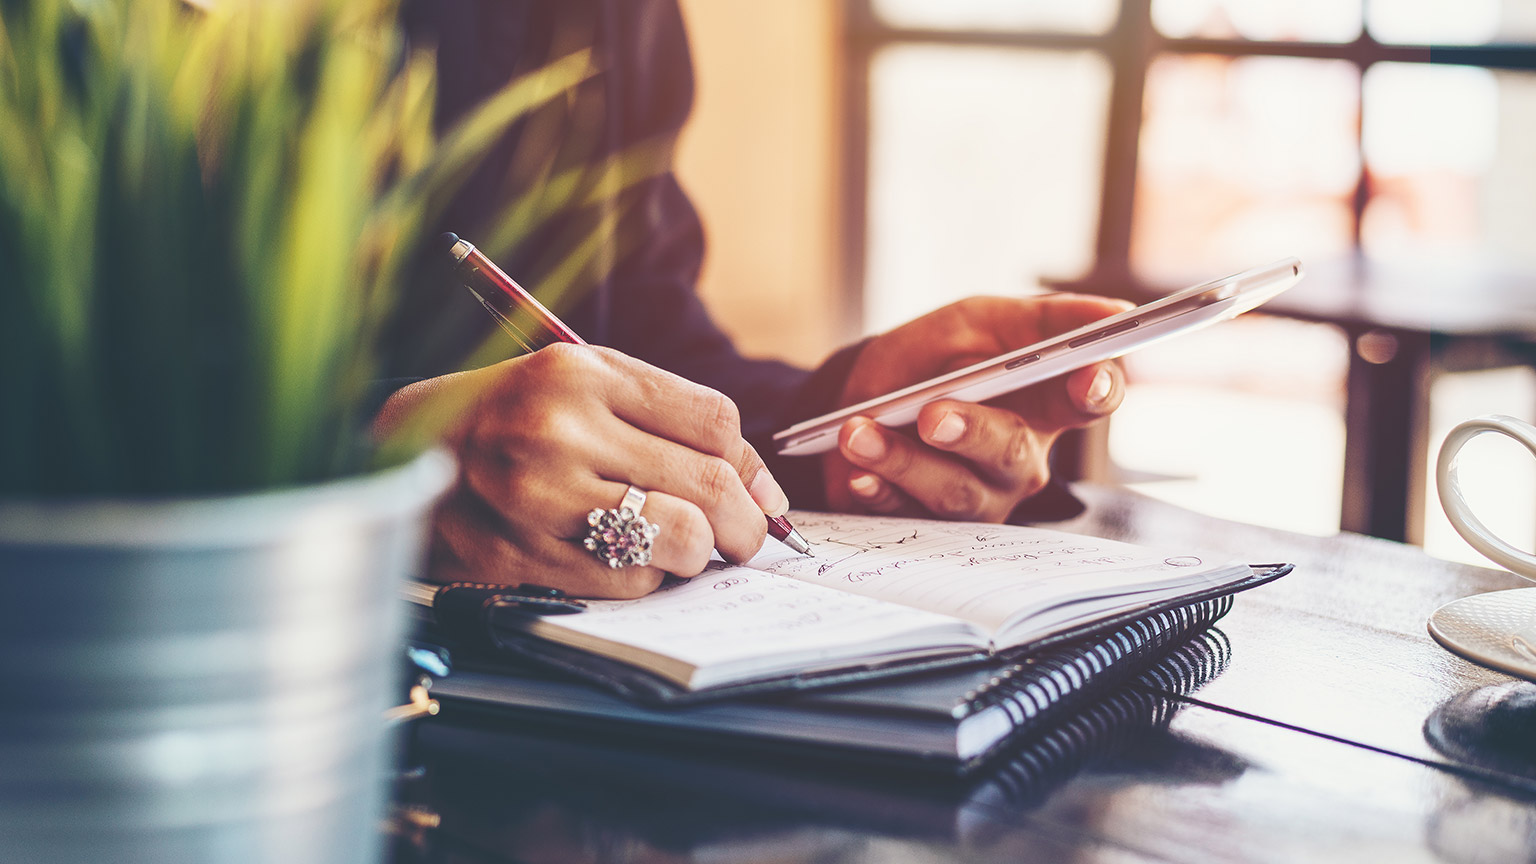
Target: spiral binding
x: 1190, y: 665
x: 1039, y: 763
x: 1031, y: 687
x: 1034, y: 684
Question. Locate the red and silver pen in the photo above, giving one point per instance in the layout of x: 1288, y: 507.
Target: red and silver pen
x: 533, y: 327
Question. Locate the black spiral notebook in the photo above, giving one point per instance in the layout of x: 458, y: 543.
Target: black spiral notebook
x: 624, y: 787
x: 948, y: 721
x: 881, y: 597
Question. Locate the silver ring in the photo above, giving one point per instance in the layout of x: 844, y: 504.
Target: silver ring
x: 621, y: 536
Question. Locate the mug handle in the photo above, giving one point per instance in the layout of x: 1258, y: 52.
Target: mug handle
x: 1460, y: 513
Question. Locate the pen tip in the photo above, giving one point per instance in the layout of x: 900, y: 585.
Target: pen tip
x: 796, y: 541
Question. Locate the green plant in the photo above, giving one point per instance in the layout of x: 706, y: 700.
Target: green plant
x: 204, y: 217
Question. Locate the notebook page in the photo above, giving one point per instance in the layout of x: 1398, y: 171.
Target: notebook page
x: 736, y: 620
x: 983, y: 573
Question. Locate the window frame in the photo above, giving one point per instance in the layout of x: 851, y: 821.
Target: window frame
x: 1129, y: 46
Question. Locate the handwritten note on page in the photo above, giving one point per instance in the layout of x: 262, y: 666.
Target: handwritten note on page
x: 730, y: 621
x: 983, y: 573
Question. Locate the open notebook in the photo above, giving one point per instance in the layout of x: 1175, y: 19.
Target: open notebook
x: 879, y: 593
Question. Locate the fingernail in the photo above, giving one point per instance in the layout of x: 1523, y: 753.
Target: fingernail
x: 867, y: 443
x: 949, y: 429
x: 1100, y: 389
x: 768, y: 494
x: 864, y: 485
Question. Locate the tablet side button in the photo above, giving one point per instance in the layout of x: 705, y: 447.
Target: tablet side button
x: 1103, y: 334
x: 1014, y: 364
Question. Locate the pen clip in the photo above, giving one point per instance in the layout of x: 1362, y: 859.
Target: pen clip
x: 537, y: 604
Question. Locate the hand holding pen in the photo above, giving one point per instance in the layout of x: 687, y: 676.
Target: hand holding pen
x: 569, y: 429
x: 534, y: 327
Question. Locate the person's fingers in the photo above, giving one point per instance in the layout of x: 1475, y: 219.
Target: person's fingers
x: 610, y: 455
x: 874, y: 494
x: 531, y: 460
x: 695, y: 416
x: 1072, y: 400
x: 709, y: 483
x: 472, y: 542
x: 683, y: 543
x: 1098, y: 389
x: 1014, y: 324
x: 967, y: 332
x: 1004, y: 448
x: 935, y: 480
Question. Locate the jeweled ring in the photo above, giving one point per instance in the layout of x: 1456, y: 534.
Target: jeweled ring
x: 621, y: 537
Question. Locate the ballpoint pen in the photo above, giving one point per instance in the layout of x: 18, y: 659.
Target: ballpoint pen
x: 527, y: 321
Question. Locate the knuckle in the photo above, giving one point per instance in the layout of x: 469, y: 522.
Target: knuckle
x: 899, y: 459
x: 1030, y: 471
x: 718, y: 417
x: 958, y: 500
x: 569, y: 352
x: 1020, y: 455
x: 747, y: 466
x: 692, y: 538
x: 1031, y: 484
x: 553, y: 356
x: 548, y: 425
x: 565, y: 359
x: 540, y: 434
x: 716, y: 480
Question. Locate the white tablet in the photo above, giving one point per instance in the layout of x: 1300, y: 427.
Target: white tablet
x: 1105, y: 339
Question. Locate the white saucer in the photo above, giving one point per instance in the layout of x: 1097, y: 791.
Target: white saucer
x: 1496, y: 629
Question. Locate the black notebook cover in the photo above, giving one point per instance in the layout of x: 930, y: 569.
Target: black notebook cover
x: 621, y: 786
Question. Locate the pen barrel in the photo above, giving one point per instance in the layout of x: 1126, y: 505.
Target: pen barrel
x: 524, y: 317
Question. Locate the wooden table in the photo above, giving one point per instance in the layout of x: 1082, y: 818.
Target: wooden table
x: 1336, y: 731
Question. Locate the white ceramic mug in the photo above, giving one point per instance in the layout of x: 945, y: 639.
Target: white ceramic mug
x: 1456, y: 509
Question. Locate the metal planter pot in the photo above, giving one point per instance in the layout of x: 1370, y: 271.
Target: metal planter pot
x: 204, y: 680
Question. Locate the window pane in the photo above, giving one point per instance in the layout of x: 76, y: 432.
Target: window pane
x: 1266, y: 20
x: 984, y: 173
x: 1462, y: 22
x: 1244, y: 161
x: 1199, y: 410
x: 1063, y: 16
x: 1449, y: 152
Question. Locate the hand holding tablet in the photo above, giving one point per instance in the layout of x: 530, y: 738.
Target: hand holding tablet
x: 1106, y: 339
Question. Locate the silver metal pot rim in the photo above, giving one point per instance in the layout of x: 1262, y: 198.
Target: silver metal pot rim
x: 243, y: 519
